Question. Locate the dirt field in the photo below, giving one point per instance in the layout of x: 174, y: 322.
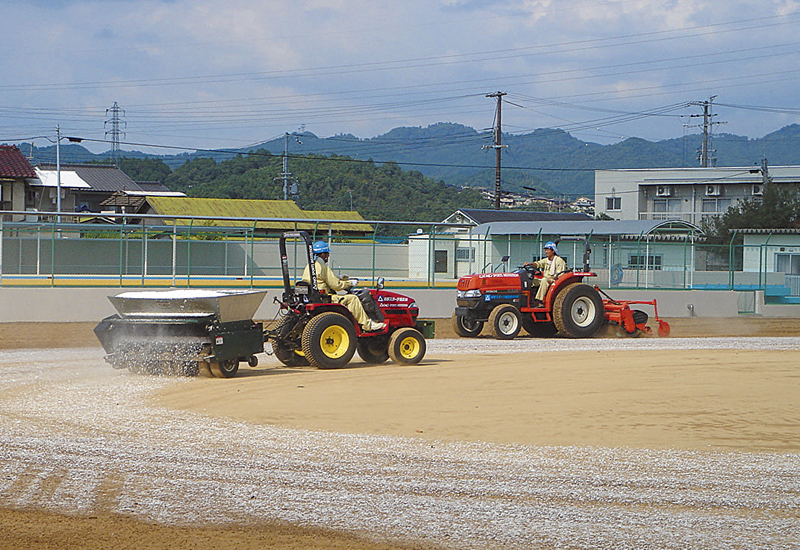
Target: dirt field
x: 78, y: 335
x: 720, y: 400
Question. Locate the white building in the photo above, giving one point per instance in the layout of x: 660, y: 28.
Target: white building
x: 688, y: 194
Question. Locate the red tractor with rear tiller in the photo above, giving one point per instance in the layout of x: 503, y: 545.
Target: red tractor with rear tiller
x: 571, y: 307
x: 315, y: 331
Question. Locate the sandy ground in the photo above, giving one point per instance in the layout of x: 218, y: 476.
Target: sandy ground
x: 597, y: 443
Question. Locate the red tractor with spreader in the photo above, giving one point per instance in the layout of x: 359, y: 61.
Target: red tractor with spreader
x: 572, y: 308
x: 315, y: 331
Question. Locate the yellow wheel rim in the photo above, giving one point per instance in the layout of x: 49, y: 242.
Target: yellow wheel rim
x: 409, y: 347
x: 334, y: 342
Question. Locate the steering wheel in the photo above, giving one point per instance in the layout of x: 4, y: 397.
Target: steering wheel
x: 532, y: 269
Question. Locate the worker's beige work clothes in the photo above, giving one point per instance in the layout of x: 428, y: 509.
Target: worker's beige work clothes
x: 549, y: 269
x: 328, y: 283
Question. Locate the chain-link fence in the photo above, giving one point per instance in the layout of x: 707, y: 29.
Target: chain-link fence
x: 423, y: 255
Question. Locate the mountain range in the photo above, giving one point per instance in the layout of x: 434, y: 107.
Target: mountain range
x: 550, y: 161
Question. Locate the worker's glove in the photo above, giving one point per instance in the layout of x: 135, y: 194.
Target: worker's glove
x: 353, y: 283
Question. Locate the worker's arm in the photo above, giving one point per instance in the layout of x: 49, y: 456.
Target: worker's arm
x: 334, y: 283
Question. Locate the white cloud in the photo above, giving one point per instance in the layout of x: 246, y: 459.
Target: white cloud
x: 213, y: 73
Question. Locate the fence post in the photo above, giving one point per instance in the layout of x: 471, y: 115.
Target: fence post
x: 121, y: 251
x: 189, y: 254
x: 374, y: 247
x: 53, y: 255
x: 144, y: 253
x: 730, y: 261
x: 252, y: 254
x: 174, y: 251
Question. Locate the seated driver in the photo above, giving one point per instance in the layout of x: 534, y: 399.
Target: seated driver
x: 551, y: 266
x: 329, y: 284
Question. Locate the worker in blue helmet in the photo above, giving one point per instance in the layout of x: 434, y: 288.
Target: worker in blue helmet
x: 329, y: 285
x: 321, y: 247
x: 551, y: 266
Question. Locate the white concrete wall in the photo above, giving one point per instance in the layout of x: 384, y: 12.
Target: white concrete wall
x: 91, y: 304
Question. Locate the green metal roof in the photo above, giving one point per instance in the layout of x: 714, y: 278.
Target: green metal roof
x: 192, y: 207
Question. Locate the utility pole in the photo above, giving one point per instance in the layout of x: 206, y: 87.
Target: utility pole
x: 115, y: 112
x: 286, y: 176
x: 498, y: 146
x: 766, y: 179
x: 706, y: 152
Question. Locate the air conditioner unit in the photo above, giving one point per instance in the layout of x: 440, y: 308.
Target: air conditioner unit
x: 713, y: 190
x: 757, y: 189
x: 663, y: 191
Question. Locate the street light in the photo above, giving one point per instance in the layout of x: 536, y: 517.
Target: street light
x: 58, y: 167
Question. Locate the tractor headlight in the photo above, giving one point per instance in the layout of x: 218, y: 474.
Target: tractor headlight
x: 475, y: 293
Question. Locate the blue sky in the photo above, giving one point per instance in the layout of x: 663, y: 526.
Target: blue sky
x: 209, y: 74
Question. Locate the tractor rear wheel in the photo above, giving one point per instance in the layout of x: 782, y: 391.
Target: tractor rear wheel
x: 407, y: 346
x: 468, y: 328
x: 329, y: 340
x: 505, y: 322
x: 373, y: 350
x: 538, y: 329
x: 578, y: 311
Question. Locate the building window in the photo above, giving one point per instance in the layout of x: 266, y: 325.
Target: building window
x: 645, y: 262
x: 787, y: 263
x: 716, y: 206
x: 666, y: 209
x: 465, y: 254
x: 613, y: 203
x: 440, y: 261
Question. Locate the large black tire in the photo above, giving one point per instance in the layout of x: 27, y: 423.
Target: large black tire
x: 578, y: 311
x: 407, y: 346
x: 224, y: 369
x: 538, y: 329
x: 505, y: 322
x: 467, y: 328
x: 286, y: 346
x: 373, y: 350
x: 329, y: 340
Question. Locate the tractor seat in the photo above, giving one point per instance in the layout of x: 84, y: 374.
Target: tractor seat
x: 314, y: 296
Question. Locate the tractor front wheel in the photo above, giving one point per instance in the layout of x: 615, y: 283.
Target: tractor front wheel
x: 505, y: 322
x: 329, y: 340
x: 373, y: 350
x: 578, y: 311
x: 407, y: 346
x: 468, y: 328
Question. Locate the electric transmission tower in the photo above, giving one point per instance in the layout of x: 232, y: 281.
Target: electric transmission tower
x: 114, y: 126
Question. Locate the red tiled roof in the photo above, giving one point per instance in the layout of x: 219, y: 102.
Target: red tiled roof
x: 13, y: 163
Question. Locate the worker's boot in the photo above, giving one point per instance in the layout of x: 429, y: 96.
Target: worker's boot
x: 372, y: 326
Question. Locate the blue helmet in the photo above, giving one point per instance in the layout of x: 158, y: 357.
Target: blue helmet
x: 552, y: 246
x: 320, y: 247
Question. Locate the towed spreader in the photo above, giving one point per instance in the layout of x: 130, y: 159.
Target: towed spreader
x: 183, y: 331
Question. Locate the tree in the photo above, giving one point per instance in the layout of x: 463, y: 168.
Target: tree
x: 778, y: 208
x: 147, y: 169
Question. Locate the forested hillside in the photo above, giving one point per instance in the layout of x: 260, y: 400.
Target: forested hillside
x: 377, y: 192
x: 551, y: 161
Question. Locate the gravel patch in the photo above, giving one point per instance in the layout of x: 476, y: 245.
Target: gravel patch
x: 78, y: 437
